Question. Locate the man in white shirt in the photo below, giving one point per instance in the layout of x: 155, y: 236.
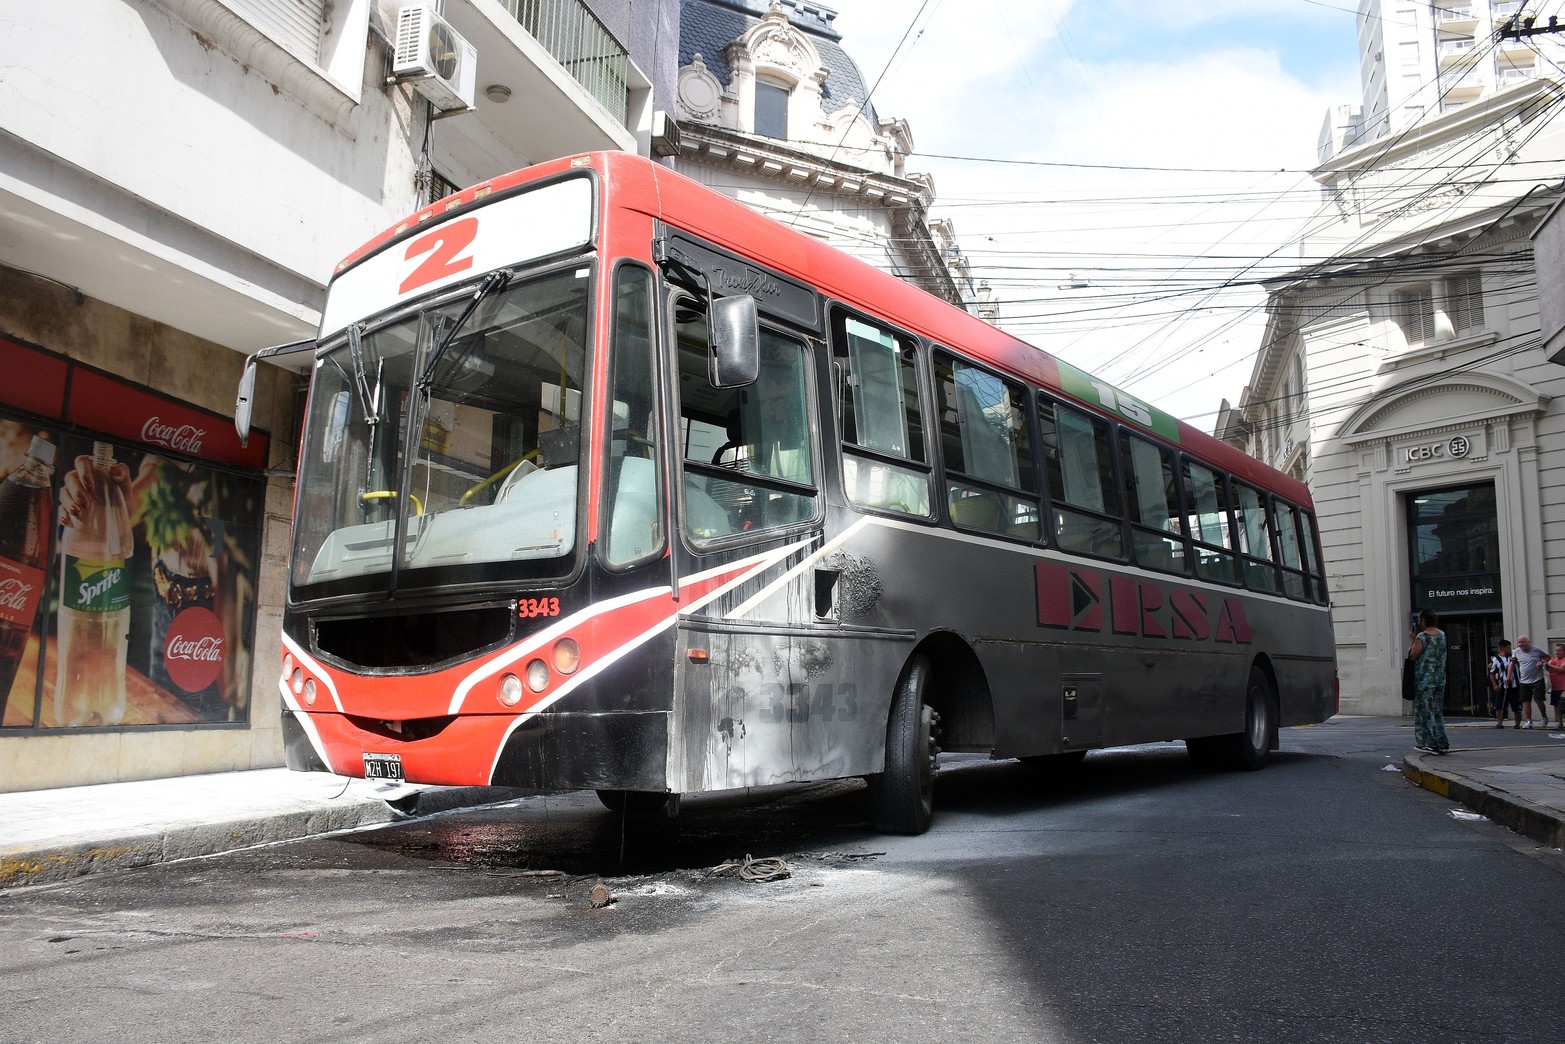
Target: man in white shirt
x: 1532, y: 683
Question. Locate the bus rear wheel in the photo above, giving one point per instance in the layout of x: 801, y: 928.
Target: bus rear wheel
x: 1247, y: 750
x: 902, y: 798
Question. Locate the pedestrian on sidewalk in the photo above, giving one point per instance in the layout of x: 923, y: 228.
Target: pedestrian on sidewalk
x: 1556, y: 669
x: 1531, y: 684
x: 1502, y: 684
x: 1427, y: 651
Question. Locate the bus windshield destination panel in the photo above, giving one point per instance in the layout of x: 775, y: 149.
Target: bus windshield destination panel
x: 545, y: 537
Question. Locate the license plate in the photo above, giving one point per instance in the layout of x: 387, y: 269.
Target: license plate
x: 383, y: 766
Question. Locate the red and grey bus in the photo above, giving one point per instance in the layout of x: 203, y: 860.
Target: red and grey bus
x: 607, y: 482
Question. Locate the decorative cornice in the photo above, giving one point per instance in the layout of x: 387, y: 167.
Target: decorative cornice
x: 905, y: 199
x: 1512, y: 399
x: 773, y: 158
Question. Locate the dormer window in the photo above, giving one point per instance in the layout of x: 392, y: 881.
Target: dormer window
x: 771, y: 110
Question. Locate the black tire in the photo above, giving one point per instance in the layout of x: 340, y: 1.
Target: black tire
x: 902, y: 798
x: 1248, y: 750
x: 640, y: 805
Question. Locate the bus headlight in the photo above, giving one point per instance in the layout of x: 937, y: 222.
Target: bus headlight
x: 537, y: 676
x: 510, y: 690
x: 309, y: 692
x: 297, y: 681
x: 567, y: 656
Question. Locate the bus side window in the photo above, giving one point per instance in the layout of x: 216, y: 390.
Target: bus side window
x: 878, y: 413
x: 1152, y: 503
x: 1255, y: 539
x: 1078, y: 451
x: 1310, y: 541
x: 984, y: 444
x: 1295, y: 577
x: 632, y: 489
x: 1207, y: 522
x: 748, y: 455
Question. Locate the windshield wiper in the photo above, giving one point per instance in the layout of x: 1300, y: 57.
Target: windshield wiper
x: 491, y: 282
x: 369, y: 401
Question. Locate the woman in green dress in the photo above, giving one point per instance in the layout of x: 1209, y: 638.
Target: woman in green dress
x: 1427, y: 651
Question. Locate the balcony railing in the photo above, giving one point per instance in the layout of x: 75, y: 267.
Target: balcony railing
x: 582, y: 44
x: 1456, y: 48
x: 1444, y: 15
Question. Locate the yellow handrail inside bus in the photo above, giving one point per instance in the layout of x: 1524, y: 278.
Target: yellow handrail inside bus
x: 497, y: 477
x: 391, y: 494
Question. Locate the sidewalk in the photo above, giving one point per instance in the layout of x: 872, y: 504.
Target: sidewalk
x: 1522, y: 788
x: 51, y: 835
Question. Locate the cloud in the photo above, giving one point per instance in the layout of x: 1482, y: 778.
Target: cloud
x: 1219, y: 86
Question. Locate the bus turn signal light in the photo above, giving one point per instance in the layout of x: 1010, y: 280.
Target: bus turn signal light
x: 567, y: 656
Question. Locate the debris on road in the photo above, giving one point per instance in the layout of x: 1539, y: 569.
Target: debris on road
x: 601, y: 896
x: 754, y: 870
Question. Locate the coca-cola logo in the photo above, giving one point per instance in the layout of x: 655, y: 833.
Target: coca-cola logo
x: 15, y: 594
x: 186, y: 438
x: 193, y: 650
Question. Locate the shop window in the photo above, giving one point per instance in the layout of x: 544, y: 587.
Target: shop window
x: 875, y: 374
x: 990, y: 484
x: 771, y: 110
x: 1152, y: 505
x: 1078, y: 453
x: 748, y: 454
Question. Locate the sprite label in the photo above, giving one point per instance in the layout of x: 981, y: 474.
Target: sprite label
x: 96, y: 587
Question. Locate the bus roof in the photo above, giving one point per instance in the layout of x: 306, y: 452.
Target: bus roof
x: 636, y: 183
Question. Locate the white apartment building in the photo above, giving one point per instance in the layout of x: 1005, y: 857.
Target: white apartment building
x: 773, y: 112
x: 178, y: 179
x: 1419, y: 58
x: 1401, y: 374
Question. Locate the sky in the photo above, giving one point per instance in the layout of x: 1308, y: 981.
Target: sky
x: 1155, y: 151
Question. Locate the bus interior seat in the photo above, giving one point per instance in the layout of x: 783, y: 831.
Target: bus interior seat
x: 977, y: 511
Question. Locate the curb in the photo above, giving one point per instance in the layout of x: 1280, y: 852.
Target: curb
x: 49, y: 865
x: 1542, y: 824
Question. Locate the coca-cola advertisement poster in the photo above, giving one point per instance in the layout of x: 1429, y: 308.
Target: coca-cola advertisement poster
x: 147, y: 615
x: 26, y: 530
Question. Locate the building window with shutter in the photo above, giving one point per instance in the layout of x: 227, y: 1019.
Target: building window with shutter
x: 1464, y: 302
x: 1415, y: 314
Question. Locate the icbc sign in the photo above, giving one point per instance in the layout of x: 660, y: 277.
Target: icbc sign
x: 1455, y: 448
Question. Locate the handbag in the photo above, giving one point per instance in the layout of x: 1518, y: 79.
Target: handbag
x: 1409, y: 680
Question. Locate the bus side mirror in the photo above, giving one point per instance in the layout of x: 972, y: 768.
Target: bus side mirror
x: 734, y: 342
x: 243, y: 403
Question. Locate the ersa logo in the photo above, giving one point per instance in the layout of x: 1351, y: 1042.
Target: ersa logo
x: 1078, y: 599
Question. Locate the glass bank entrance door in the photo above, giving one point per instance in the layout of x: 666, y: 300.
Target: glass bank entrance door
x: 1453, y: 540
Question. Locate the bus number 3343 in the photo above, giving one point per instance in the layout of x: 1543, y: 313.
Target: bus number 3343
x: 799, y: 701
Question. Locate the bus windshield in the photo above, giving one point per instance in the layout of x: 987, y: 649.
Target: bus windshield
x: 459, y: 425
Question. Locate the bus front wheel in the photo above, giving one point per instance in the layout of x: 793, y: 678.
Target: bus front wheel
x: 640, y: 805
x: 902, y: 798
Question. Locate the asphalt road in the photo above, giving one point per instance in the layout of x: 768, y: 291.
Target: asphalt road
x: 1134, y: 899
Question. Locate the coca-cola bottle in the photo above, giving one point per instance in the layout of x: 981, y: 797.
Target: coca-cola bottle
x: 95, y: 602
x: 25, y: 513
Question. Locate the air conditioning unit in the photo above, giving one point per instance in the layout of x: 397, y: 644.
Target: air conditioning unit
x: 432, y: 56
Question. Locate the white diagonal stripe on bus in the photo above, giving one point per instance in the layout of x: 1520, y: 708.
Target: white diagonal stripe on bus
x: 825, y: 549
